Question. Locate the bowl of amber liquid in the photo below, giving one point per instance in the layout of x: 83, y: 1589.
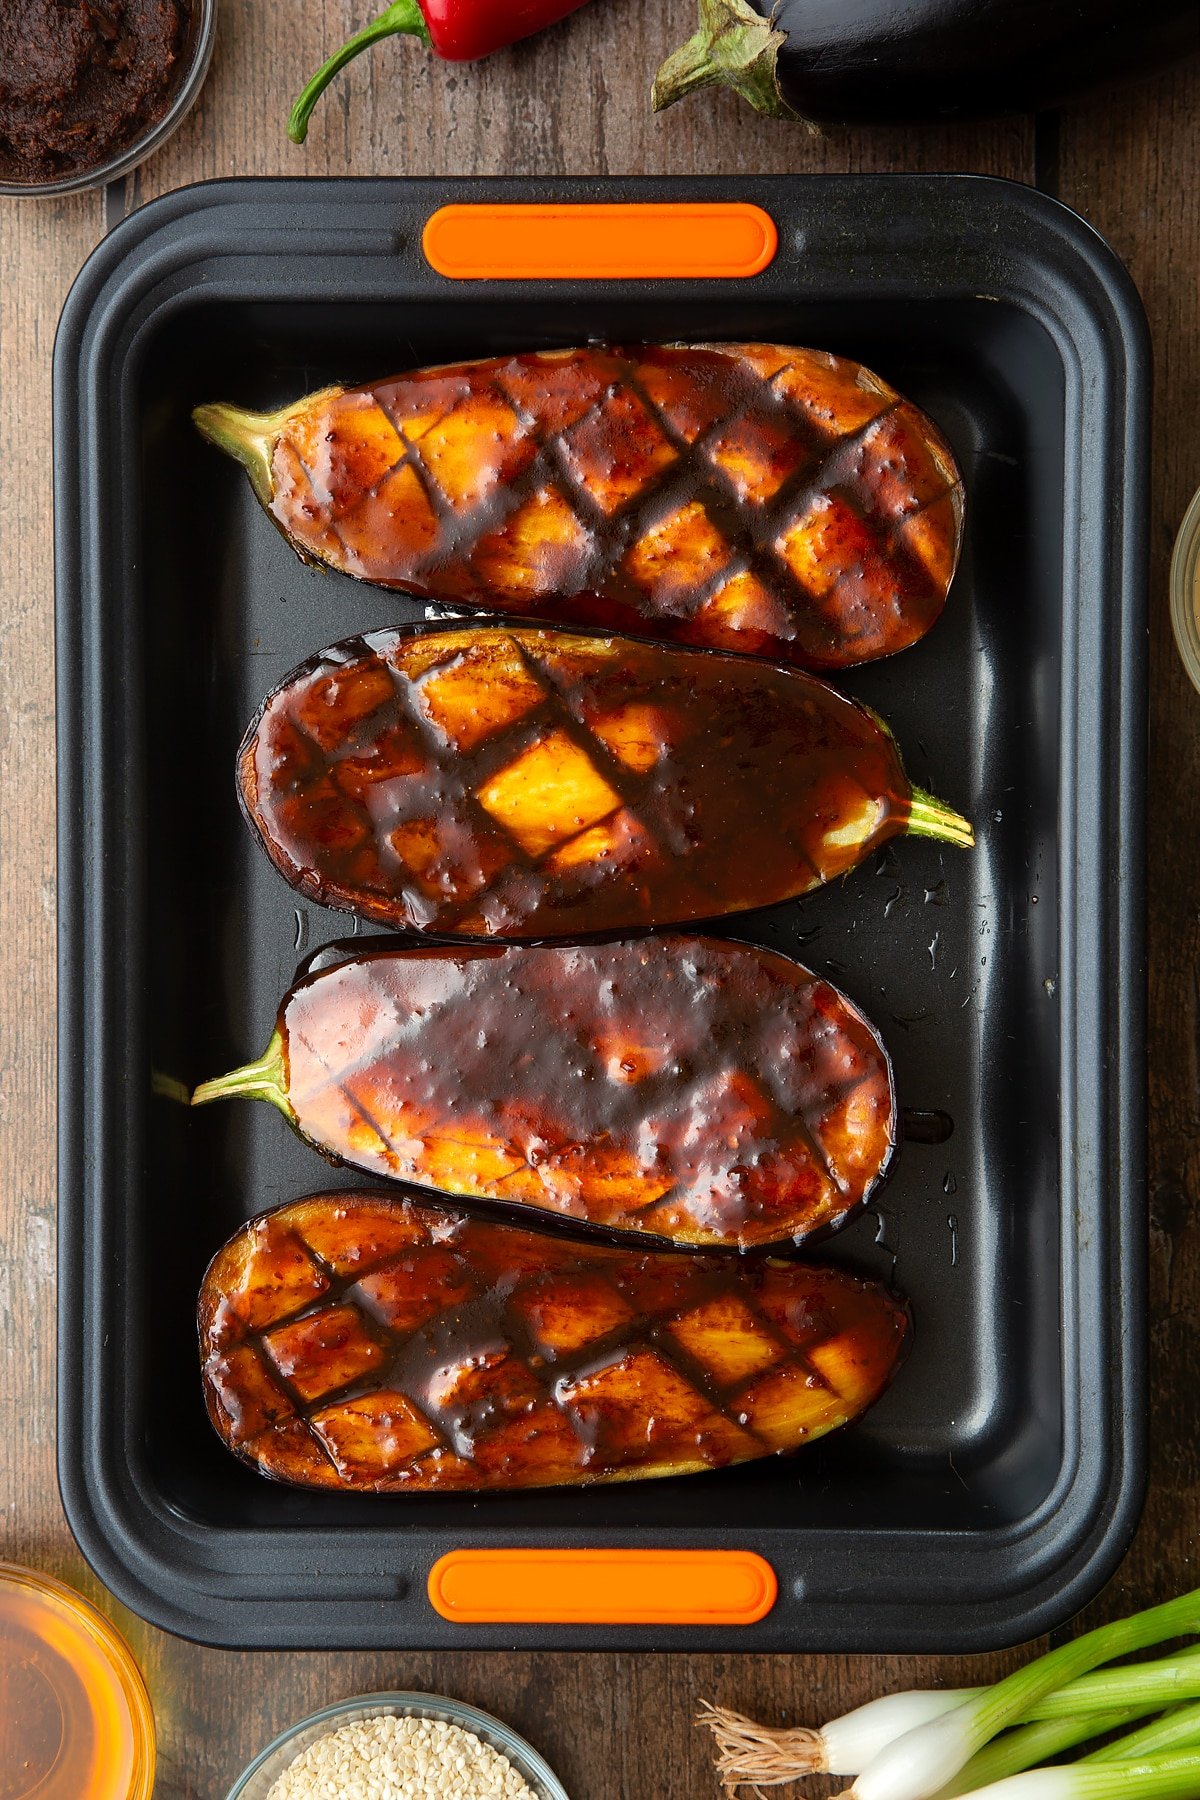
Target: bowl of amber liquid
x: 75, y: 1718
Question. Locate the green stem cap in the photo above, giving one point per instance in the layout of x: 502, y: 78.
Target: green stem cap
x: 931, y: 818
x: 403, y: 18
x: 735, y: 47
x: 250, y: 437
x: 265, y: 1079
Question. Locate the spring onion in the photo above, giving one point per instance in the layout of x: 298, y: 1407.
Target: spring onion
x: 1174, y: 1729
x: 927, y: 1758
x: 1144, y: 1686
x: 1150, y: 1778
x: 1090, y: 1707
x: 1029, y: 1745
x: 763, y: 1756
x: 766, y: 1756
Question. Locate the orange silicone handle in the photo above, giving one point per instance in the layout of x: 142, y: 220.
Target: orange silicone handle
x: 602, y: 1587
x: 706, y: 240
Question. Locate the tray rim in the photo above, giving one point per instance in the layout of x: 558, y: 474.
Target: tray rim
x: 154, y: 250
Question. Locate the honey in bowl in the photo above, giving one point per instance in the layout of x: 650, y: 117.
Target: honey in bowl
x: 75, y: 1718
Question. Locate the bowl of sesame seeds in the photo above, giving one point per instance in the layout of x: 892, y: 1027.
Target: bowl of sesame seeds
x: 399, y: 1747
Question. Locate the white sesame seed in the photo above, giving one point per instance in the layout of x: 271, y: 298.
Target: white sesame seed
x: 389, y: 1758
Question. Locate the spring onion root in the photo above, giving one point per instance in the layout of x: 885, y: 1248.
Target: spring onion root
x: 755, y: 1753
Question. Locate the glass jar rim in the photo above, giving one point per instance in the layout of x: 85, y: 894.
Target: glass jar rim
x: 117, y: 1655
x: 528, y: 1762
x: 1185, y: 589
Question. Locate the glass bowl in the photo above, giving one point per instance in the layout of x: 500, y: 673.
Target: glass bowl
x: 76, y: 1723
x: 197, y: 56
x: 256, y: 1782
x: 1185, y: 590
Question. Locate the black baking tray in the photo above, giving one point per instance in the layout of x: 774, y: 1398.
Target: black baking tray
x: 996, y: 1484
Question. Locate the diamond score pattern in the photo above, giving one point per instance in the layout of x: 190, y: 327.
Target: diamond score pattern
x: 482, y: 754
x: 445, y: 1353
x: 644, y: 480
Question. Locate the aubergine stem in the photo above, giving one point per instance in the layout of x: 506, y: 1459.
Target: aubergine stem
x: 930, y: 817
x: 265, y: 1079
x: 250, y: 437
x: 734, y: 47
x: 403, y: 18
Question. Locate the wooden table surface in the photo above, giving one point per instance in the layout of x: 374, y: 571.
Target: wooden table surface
x: 574, y: 102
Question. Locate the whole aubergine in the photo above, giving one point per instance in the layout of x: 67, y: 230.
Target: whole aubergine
x: 706, y: 1092
x: 359, y: 1342
x: 832, y: 62
x: 525, y: 783
x: 742, y: 496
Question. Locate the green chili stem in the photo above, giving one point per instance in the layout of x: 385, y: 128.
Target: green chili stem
x: 265, y: 1079
x: 931, y: 818
x: 402, y: 18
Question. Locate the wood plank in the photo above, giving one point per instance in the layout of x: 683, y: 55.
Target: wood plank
x: 42, y: 243
x: 571, y: 103
x: 1131, y: 164
x: 574, y: 101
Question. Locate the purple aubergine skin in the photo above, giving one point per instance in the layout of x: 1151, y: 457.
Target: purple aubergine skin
x: 876, y: 61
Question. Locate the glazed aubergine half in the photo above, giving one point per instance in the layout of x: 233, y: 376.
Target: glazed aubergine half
x: 356, y: 1341
x: 708, y: 1093
x: 522, y: 783
x: 750, y: 497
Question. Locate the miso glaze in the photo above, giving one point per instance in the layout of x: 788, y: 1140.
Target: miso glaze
x: 750, y: 497
x: 707, y: 1092
x: 355, y: 1341
x: 522, y: 783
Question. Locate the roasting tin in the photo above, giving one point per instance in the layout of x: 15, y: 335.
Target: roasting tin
x: 996, y: 1484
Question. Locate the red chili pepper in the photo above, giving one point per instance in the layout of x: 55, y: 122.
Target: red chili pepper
x: 457, y: 30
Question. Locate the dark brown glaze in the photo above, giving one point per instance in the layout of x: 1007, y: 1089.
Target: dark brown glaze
x: 525, y: 783
x: 748, y: 497
x: 79, y: 83
x: 359, y: 1342
x: 706, y: 1092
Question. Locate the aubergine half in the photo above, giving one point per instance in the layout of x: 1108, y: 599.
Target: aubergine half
x: 705, y: 1092
x: 355, y: 1341
x: 752, y: 497
x: 521, y: 783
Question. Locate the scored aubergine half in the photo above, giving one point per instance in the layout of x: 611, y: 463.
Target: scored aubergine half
x: 749, y: 497
x: 705, y: 1092
x: 521, y: 783
x: 843, y: 62
x: 360, y: 1342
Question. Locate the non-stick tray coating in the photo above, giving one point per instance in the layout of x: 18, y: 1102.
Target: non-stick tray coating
x: 997, y: 1482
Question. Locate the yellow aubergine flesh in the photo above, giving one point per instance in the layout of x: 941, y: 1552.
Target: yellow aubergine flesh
x: 705, y: 1092
x: 358, y: 1342
x: 750, y: 497
x: 521, y: 783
